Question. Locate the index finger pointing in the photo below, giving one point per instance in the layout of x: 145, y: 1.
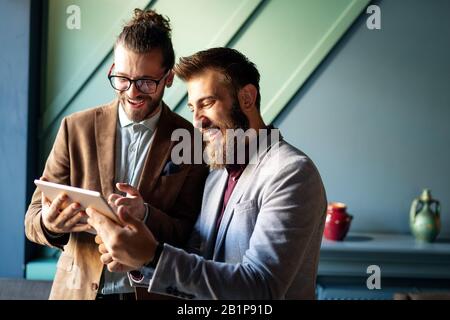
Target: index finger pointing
x: 95, y: 219
x: 102, y: 224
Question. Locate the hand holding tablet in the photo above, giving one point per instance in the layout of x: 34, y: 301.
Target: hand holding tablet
x: 85, y: 198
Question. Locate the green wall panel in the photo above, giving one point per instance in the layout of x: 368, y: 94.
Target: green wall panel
x: 286, y: 39
x: 75, y: 67
x: 73, y: 55
x: 201, y: 24
x: 96, y: 91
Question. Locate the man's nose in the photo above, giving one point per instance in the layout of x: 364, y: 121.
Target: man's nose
x: 133, y: 91
x: 196, y: 117
x: 199, y: 120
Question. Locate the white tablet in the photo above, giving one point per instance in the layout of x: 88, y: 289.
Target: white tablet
x: 86, y: 198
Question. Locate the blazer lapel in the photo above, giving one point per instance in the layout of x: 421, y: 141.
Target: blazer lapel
x: 105, y: 139
x: 158, y: 154
x: 213, y: 193
x: 242, y: 185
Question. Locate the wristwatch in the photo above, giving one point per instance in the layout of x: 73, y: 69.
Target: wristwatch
x: 155, y: 260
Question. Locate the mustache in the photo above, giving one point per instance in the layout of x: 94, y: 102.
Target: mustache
x: 210, y: 127
x: 124, y: 96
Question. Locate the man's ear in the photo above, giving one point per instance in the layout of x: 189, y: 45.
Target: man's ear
x: 169, y: 79
x: 247, y: 97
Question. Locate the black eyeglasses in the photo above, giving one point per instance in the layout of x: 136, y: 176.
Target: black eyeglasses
x: 144, y: 85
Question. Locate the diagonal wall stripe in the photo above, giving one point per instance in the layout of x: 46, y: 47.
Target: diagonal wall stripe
x: 256, y: 27
x: 230, y: 28
x: 305, y: 68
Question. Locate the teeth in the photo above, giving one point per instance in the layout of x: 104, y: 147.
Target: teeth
x: 135, y: 101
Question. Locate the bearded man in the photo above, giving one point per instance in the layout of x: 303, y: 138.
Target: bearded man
x: 259, y: 231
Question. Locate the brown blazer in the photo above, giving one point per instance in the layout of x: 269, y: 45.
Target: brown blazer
x: 83, y: 155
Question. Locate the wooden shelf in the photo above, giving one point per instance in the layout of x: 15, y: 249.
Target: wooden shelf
x: 378, y: 242
x: 405, y: 265
x: 397, y: 255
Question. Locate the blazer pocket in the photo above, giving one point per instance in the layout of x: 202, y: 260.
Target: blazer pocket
x: 170, y: 181
x: 243, y: 224
x: 65, y: 263
x: 171, y: 168
x: 249, y: 205
x: 167, y: 189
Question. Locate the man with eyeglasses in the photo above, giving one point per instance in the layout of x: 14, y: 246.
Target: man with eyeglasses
x: 121, y: 149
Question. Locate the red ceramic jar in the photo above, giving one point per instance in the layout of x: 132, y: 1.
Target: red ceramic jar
x: 337, y: 222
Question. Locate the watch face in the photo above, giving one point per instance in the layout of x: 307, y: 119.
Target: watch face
x: 136, y: 276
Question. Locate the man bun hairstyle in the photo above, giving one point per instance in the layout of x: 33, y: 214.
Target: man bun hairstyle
x: 148, y: 30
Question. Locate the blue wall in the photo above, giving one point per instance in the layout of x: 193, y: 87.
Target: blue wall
x: 375, y: 115
x: 14, y: 64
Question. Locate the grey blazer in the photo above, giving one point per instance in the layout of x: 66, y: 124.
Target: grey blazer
x: 268, y: 243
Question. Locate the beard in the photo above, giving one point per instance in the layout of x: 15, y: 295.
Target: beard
x: 216, y: 150
x: 150, y: 104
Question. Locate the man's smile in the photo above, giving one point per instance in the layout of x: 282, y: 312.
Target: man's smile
x: 136, y: 103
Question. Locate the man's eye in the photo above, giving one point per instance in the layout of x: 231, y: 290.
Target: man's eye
x: 147, y: 82
x: 121, y: 80
x: 208, y: 103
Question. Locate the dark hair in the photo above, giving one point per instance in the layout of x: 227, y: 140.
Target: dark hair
x: 148, y: 30
x: 237, y: 69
